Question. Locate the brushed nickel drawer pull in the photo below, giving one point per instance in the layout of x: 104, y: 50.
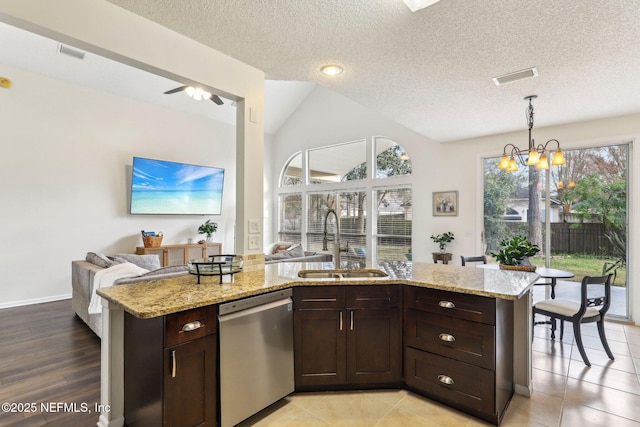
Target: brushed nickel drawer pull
x: 445, y: 379
x: 191, y: 326
x: 446, y: 304
x: 340, y: 320
x: 447, y: 337
x: 173, y: 364
x: 352, y: 320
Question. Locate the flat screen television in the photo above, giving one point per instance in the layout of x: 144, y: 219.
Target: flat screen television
x: 170, y: 188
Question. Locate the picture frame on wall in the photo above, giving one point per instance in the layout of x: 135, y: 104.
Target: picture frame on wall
x: 445, y: 203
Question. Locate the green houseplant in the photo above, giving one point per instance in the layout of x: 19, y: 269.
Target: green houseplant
x: 442, y: 240
x: 208, y: 228
x: 514, y: 254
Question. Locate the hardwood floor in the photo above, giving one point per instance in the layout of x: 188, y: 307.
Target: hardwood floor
x: 49, y: 367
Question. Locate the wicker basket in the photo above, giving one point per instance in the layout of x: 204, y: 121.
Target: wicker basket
x: 529, y: 268
x: 152, y: 241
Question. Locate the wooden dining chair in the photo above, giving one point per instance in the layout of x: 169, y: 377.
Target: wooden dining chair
x: 595, y: 298
x: 466, y: 259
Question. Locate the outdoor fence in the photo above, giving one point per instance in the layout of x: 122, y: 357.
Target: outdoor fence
x: 569, y: 238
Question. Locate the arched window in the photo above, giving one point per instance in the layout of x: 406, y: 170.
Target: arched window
x: 351, y: 178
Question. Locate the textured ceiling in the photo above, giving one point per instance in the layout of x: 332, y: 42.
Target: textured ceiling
x: 431, y: 70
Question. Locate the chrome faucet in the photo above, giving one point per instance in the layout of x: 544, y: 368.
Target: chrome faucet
x: 336, y: 249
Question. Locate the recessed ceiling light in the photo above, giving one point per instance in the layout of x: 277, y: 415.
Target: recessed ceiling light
x: 416, y: 5
x: 515, y: 76
x: 331, y: 70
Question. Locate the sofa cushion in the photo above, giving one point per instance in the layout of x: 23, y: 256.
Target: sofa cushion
x: 100, y: 260
x: 166, y: 270
x: 149, y: 262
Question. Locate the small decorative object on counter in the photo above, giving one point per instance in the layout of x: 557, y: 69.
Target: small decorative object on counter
x: 151, y: 239
x: 216, y: 265
x: 442, y: 240
x: 208, y: 228
x: 514, y: 254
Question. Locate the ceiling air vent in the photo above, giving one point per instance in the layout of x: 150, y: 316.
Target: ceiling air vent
x: 71, y: 51
x: 515, y: 76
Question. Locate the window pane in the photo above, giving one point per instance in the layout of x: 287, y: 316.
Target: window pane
x: 318, y: 205
x: 391, y: 159
x: 394, y: 224
x: 292, y: 174
x: 353, y: 225
x: 289, y: 229
x: 344, y: 162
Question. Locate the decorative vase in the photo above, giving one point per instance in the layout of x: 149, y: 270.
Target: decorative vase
x: 443, y: 248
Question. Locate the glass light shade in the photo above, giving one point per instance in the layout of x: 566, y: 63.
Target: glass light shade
x: 572, y: 184
x: 504, y: 162
x: 558, y: 158
x: 190, y: 90
x: 534, y: 158
x: 560, y: 185
x: 331, y: 70
x: 543, y: 163
x: 513, y: 165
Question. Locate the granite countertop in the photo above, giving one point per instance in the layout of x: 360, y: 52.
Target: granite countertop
x: 161, y: 297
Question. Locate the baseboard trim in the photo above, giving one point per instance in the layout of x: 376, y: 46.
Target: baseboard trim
x: 34, y: 301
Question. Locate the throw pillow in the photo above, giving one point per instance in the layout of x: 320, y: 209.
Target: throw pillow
x: 149, y: 262
x: 295, y: 251
x: 281, y: 247
x: 98, y: 259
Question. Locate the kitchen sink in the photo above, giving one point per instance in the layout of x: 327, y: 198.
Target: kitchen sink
x: 341, y: 274
x: 364, y: 273
x: 318, y: 275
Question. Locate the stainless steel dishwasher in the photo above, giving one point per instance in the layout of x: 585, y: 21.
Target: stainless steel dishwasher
x: 256, y: 354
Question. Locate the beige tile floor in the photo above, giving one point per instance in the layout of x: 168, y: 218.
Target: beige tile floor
x: 566, y: 392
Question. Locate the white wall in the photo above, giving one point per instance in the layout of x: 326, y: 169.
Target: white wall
x: 327, y: 118
x: 65, y: 174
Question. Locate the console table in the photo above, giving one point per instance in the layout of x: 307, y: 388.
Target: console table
x: 181, y: 254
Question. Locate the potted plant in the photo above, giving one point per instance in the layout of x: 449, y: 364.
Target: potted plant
x: 208, y: 228
x: 442, y: 240
x: 514, y: 254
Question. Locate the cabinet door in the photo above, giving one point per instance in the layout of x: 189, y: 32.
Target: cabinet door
x: 190, y: 380
x: 374, y: 346
x: 320, y: 347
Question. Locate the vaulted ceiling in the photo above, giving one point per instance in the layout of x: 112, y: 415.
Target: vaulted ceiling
x: 432, y: 70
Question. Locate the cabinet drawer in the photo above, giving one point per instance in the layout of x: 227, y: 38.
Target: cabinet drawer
x: 319, y: 297
x: 370, y: 296
x: 463, y: 306
x: 450, y: 337
x: 456, y: 383
x: 188, y: 325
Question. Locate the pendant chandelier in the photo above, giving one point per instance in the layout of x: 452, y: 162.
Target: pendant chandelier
x: 537, y: 156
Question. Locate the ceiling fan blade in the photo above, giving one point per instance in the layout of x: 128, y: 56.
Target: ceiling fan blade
x: 178, y: 89
x: 216, y: 99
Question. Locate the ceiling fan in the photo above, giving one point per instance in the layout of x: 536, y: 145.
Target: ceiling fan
x: 196, y: 93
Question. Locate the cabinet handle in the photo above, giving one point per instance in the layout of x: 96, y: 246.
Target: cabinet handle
x: 446, y: 304
x: 351, y: 326
x: 445, y: 379
x: 191, y: 326
x: 173, y: 364
x: 340, y: 320
x: 447, y: 337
